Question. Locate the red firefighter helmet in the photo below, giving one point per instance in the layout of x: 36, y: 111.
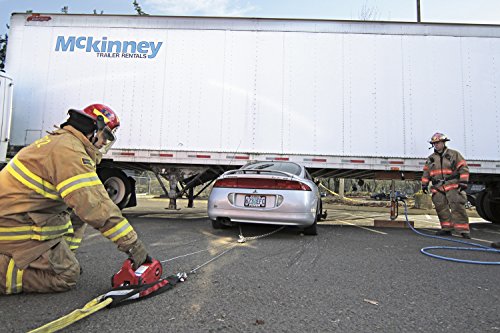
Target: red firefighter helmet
x: 111, y: 120
x: 438, y: 137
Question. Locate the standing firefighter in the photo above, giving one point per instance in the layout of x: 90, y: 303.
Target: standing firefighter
x: 48, y: 193
x: 448, y: 171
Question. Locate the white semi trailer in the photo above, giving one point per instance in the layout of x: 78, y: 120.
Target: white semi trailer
x: 200, y: 95
x: 5, y: 115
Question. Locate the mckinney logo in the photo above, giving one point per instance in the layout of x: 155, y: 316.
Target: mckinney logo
x: 108, y: 48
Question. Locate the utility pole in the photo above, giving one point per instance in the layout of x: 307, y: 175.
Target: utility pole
x: 418, y: 11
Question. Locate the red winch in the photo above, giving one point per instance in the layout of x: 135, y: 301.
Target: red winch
x: 148, y: 272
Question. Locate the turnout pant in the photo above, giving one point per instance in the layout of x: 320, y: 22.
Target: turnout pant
x: 54, y: 271
x: 450, y: 208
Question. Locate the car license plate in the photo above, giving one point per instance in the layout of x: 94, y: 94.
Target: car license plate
x: 255, y: 201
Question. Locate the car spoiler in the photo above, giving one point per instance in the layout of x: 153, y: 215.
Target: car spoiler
x: 257, y: 171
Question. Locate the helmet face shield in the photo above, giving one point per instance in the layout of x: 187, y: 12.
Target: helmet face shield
x: 108, y: 138
x: 104, y: 149
x: 110, y: 134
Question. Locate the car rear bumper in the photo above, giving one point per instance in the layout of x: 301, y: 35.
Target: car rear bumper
x: 267, y: 217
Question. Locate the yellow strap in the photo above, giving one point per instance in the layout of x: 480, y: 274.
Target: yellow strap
x: 93, y: 306
x: 336, y: 194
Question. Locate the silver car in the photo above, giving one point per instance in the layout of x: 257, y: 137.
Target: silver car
x: 268, y: 192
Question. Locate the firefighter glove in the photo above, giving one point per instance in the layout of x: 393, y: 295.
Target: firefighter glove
x: 138, y: 254
x: 425, y: 189
x: 462, y: 186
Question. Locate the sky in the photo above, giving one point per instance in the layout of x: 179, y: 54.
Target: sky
x: 457, y: 11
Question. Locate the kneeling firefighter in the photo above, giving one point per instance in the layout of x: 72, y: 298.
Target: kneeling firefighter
x: 49, y: 192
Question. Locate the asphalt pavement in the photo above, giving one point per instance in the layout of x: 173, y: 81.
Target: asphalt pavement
x: 352, y: 277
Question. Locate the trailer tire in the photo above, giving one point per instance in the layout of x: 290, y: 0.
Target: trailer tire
x: 487, y: 208
x: 117, y: 184
x: 495, y: 210
x: 491, y: 208
x: 479, y: 205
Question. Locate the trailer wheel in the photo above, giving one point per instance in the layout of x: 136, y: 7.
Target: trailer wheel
x: 479, y: 205
x: 495, y: 210
x: 487, y: 208
x: 491, y: 208
x: 117, y: 184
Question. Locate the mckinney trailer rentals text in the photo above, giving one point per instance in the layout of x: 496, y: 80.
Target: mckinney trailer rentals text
x: 109, y: 48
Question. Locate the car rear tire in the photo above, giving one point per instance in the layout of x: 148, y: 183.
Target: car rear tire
x: 320, y: 211
x: 311, y: 230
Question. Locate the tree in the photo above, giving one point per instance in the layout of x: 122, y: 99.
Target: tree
x: 3, y: 49
x: 138, y: 8
x: 3, y: 44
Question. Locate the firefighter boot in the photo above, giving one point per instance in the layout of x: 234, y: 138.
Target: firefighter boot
x: 465, y: 235
x: 443, y: 233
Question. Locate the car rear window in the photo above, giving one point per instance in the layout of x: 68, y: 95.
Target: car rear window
x: 279, y: 166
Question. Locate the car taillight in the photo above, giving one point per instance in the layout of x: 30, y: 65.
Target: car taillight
x: 267, y: 184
